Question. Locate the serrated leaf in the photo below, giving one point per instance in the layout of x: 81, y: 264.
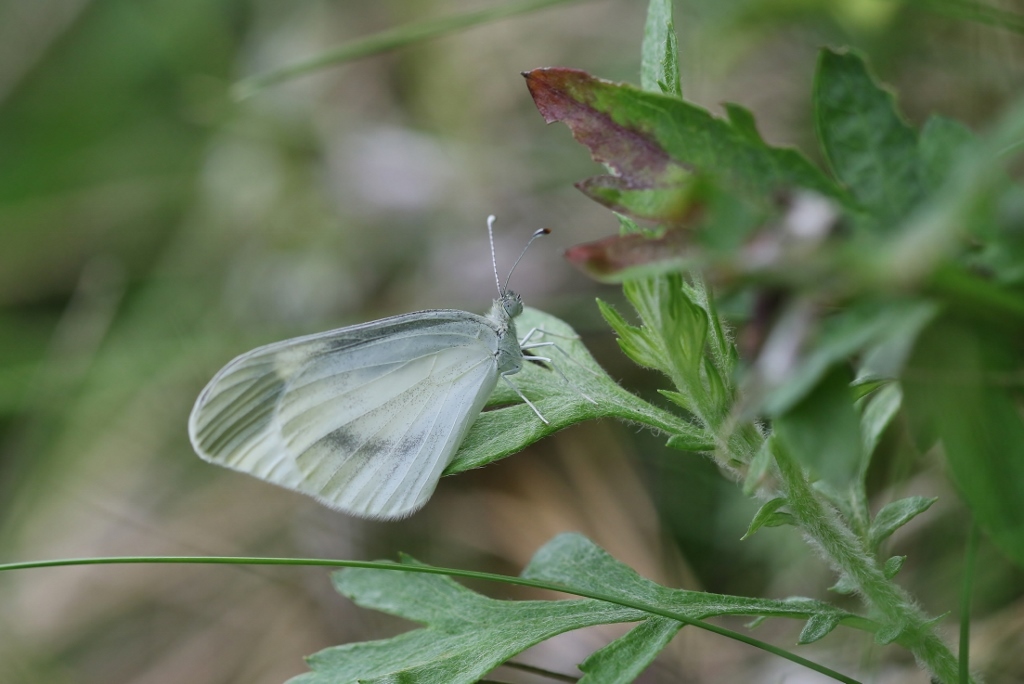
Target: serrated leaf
x: 466, y: 634
x: 893, y: 566
x: 633, y: 341
x: 817, y: 627
x: 895, y: 515
x: 869, y: 146
x: 625, y: 658
x: 674, y: 325
x: 504, y: 431
x: 650, y: 138
x: 765, y: 516
x: 670, y: 205
x: 573, y: 560
x: 743, y: 121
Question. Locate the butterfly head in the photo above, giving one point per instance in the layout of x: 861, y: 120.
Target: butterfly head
x: 511, y: 303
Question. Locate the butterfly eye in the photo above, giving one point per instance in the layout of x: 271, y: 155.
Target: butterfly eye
x: 512, y: 303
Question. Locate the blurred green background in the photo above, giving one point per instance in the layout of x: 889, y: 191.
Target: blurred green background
x: 151, y: 228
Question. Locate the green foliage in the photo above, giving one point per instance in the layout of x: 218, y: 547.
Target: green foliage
x: 869, y: 147
x: 578, y: 390
x: 893, y: 288
x: 467, y: 634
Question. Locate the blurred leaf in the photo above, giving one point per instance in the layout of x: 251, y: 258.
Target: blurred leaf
x: 671, y: 204
x: 823, y: 430
x: 743, y: 122
x: 705, y: 222
x: 562, y: 401
x: 758, y: 468
x: 659, y: 53
x: 871, y: 149
x: 962, y: 387
x: 895, y: 515
x: 864, y: 324
x: 964, y: 206
x: 400, y: 36
x: 878, y: 413
x: 654, y: 141
x: 625, y: 658
x: 940, y: 143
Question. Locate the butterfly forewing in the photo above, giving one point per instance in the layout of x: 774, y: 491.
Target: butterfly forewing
x: 363, y: 418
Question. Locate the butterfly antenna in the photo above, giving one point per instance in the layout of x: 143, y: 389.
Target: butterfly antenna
x: 537, y: 234
x: 494, y: 261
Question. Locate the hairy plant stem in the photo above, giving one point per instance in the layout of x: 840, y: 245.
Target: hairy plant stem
x: 904, y: 622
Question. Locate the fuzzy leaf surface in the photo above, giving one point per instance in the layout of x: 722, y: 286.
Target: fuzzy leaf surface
x: 466, y: 634
x: 895, y: 515
x: 624, y: 659
x: 573, y: 560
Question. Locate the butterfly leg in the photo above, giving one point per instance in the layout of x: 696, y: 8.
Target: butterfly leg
x: 525, y: 347
x: 523, y: 397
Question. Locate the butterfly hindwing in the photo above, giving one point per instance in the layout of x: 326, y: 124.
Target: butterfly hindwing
x: 363, y: 418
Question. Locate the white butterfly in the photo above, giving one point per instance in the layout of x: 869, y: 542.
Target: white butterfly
x: 365, y: 418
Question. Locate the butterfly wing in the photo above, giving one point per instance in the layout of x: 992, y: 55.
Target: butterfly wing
x: 365, y: 418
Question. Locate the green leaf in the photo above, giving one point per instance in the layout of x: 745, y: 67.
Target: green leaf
x: 844, y: 585
x: 884, y: 357
x: 823, y: 431
x: 633, y: 341
x: 889, y: 633
x: 956, y: 389
x: 895, y: 515
x: 466, y: 634
x: 893, y: 566
x: 573, y: 560
x: 863, y: 325
x: 869, y: 146
x: 940, y: 144
x: 817, y: 627
x: 743, y: 121
x: 504, y: 431
x: 652, y: 140
x: 700, y: 443
x: 758, y: 468
x: 767, y: 516
x: 675, y: 326
x: 668, y: 205
x: 879, y: 411
x: 625, y: 658
x: 659, y: 54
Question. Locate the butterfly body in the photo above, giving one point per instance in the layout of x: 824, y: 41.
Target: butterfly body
x: 363, y: 418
